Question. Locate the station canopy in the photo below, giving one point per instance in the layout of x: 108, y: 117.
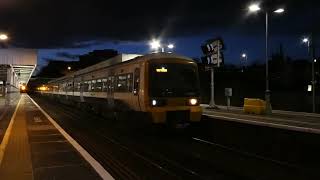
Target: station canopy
x: 23, y: 62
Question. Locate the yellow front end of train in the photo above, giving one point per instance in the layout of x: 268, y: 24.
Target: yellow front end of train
x: 173, y: 91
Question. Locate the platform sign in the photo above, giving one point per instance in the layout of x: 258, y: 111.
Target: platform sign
x: 228, y: 92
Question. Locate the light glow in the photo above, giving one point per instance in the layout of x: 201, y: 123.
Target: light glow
x: 23, y: 87
x: 279, y: 11
x: 154, y: 102
x: 193, y: 101
x: 162, y: 70
x: 3, y: 37
x: 305, y: 40
x: 69, y: 68
x: 254, y: 7
x: 170, y: 46
x: 155, y: 44
x: 244, y: 55
x: 315, y: 60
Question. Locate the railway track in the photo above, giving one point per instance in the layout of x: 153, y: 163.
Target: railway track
x: 168, y: 168
x: 167, y: 164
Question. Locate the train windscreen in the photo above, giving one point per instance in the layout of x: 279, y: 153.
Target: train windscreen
x: 173, y: 80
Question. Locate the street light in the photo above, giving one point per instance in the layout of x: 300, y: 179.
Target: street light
x: 155, y: 44
x: 3, y: 37
x: 255, y: 8
x: 170, y: 46
x: 244, y: 57
x: 313, y: 60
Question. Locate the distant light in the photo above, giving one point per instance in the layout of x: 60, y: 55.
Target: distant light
x: 170, y: 46
x: 315, y: 60
x: 244, y: 55
x: 279, y: 11
x: 3, y: 37
x: 309, y: 88
x: 23, y: 87
x: 155, y: 44
x: 69, y: 68
x: 305, y: 40
x: 254, y: 8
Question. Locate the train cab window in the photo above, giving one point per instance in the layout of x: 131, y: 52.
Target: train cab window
x: 136, y: 79
x: 122, y: 83
x: 98, y: 86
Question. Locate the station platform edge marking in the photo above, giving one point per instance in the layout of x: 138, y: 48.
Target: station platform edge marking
x: 94, y: 163
x: 7, y: 134
x: 273, y: 125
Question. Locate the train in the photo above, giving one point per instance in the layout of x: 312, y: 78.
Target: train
x: 162, y: 86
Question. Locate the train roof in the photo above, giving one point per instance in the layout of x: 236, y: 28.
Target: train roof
x: 121, y: 58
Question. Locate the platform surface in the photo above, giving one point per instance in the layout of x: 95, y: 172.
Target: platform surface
x: 33, y: 148
x: 289, y: 120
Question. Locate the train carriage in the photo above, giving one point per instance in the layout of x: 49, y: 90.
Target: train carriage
x: 162, y: 85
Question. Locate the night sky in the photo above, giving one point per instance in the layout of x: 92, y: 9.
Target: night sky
x: 63, y: 29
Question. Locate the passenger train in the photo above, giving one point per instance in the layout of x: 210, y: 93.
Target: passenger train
x: 164, y: 86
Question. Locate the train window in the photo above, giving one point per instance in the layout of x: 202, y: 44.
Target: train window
x: 98, y: 85
x: 136, y: 81
x: 122, y: 83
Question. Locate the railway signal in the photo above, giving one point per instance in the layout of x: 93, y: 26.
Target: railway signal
x: 213, y: 57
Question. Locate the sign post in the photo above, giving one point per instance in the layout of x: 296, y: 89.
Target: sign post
x: 228, y: 94
x: 213, y: 58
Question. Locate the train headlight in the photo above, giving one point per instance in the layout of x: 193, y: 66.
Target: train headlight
x: 193, y: 101
x: 154, y: 102
x: 23, y: 88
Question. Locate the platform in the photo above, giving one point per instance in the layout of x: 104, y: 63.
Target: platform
x: 289, y: 120
x: 34, y: 147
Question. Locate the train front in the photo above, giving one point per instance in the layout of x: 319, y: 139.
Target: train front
x: 174, y: 91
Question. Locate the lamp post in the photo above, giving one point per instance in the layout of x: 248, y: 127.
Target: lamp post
x: 313, y: 60
x: 255, y: 8
x: 244, y: 58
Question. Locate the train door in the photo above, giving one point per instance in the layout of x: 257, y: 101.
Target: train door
x: 110, y: 91
x: 136, y: 89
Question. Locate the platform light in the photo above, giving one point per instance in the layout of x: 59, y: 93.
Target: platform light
x: 305, y: 40
x: 254, y: 7
x: 170, y: 46
x: 279, y: 11
x: 155, y: 44
x: 3, y: 37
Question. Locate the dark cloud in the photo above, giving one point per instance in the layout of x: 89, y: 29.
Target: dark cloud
x: 67, y: 55
x: 67, y: 23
